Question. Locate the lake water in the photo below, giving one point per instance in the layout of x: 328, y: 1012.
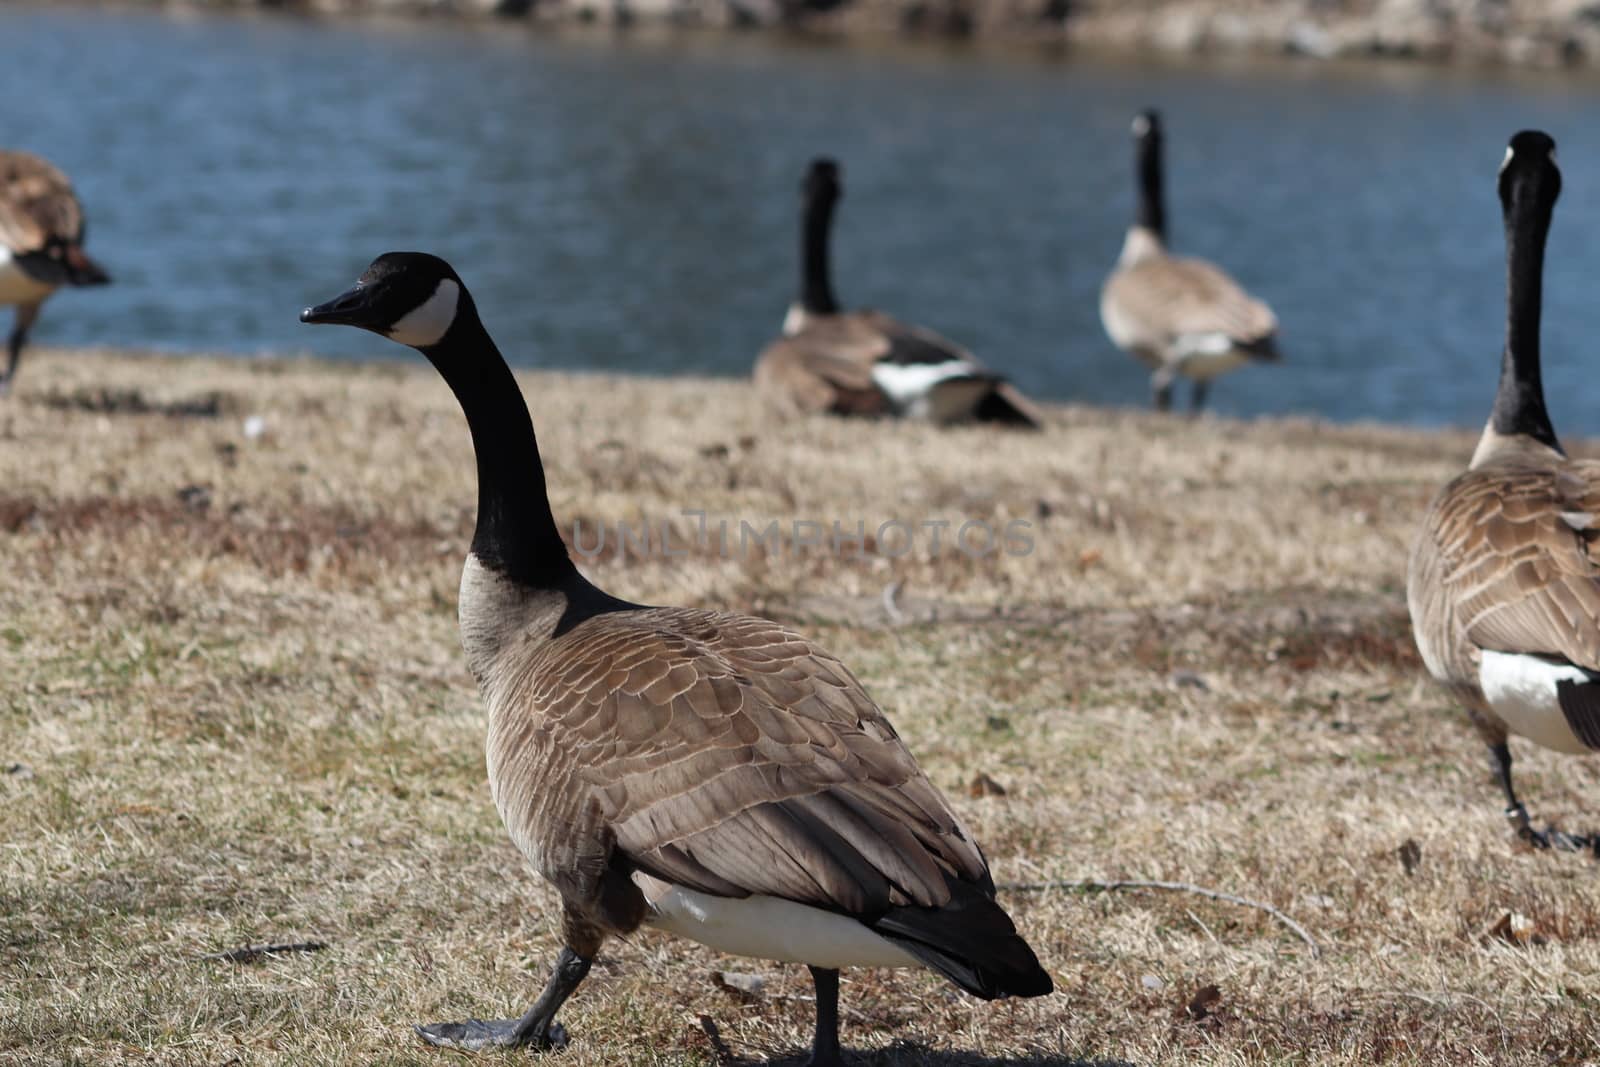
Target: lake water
x: 628, y: 203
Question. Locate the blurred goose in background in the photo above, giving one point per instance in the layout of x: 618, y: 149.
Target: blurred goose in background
x: 1179, y: 317
x: 713, y: 775
x: 1504, y: 577
x: 41, y: 245
x: 864, y: 362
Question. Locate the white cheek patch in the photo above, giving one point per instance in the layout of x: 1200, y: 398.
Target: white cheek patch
x: 1506, y: 162
x: 429, y: 321
x: 1141, y: 125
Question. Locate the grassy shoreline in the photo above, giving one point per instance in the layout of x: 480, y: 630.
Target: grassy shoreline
x: 235, y: 713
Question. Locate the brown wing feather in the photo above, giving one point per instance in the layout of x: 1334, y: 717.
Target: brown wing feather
x: 1176, y: 296
x: 827, y: 367
x: 727, y: 754
x: 904, y: 343
x: 804, y: 373
x: 36, y: 204
x: 1515, y: 556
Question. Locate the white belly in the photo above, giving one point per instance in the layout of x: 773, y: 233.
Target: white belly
x: 1522, y: 691
x: 1203, y: 356
x: 767, y: 928
x: 16, y: 287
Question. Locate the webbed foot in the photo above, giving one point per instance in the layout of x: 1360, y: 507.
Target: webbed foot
x: 1559, y: 840
x: 1550, y: 837
x: 475, y: 1035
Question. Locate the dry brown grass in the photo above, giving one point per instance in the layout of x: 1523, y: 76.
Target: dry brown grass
x: 234, y: 711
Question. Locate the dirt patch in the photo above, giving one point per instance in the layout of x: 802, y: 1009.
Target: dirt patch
x: 187, y: 523
x: 104, y: 400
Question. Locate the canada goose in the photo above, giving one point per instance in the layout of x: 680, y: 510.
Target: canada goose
x: 713, y: 775
x: 1179, y: 317
x: 864, y: 362
x: 41, y: 245
x: 1504, y: 577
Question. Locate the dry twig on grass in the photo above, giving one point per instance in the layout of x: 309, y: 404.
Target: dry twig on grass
x: 251, y: 953
x: 1090, y: 885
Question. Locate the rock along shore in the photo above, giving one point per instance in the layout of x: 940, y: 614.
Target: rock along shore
x: 1536, y: 33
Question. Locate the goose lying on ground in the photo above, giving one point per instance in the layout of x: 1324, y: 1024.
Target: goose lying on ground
x: 1179, y: 317
x: 864, y: 362
x: 1504, y: 577
x: 713, y: 775
x: 41, y: 245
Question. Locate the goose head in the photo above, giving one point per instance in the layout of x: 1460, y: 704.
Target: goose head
x: 411, y: 298
x: 821, y: 184
x: 1529, y: 168
x: 1147, y: 125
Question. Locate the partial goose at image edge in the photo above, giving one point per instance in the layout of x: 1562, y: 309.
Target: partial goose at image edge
x: 1503, y: 579
x: 42, y: 230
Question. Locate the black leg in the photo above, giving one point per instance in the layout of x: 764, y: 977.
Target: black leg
x: 1549, y: 837
x: 1197, y: 399
x: 537, y: 1028
x: 1161, y: 390
x: 1500, y: 763
x: 825, y: 1046
x: 25, y: 315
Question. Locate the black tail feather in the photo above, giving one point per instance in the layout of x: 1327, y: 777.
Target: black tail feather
x: 81, y: 270
x: 971, y: 941
x: 1005, y: 406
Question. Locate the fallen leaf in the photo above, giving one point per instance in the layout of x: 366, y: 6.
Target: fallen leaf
x: 740, y: 985
x: 1151, y: 982
x: 252, y: 953
x: 1514, y: 928
x: 197, y: 498
x: 1204, y: 1002
x: 1410, y: 855
x: 984, y: 786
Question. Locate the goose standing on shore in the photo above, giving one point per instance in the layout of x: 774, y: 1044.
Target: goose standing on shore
x: 41, y: 245
x: 1504, y: 577
x: 1179, y: 317
x: 714, y: 775
x: 864, y: 362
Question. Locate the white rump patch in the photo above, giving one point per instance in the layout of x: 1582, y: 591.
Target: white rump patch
x: 910, y: 386
x: 429, y: 321
x: 1522, y: 690
x: 769, y: 928
x: 1205, y: 355
x: 17, y: 287
x: 1578, y: 520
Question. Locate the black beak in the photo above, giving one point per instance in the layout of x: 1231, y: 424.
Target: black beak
x: 349, y: 308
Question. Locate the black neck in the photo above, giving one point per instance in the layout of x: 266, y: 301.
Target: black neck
x: 816, y: 290
x: 1519, y: 402
x: 1152, y: 210
x: 516, y: 534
